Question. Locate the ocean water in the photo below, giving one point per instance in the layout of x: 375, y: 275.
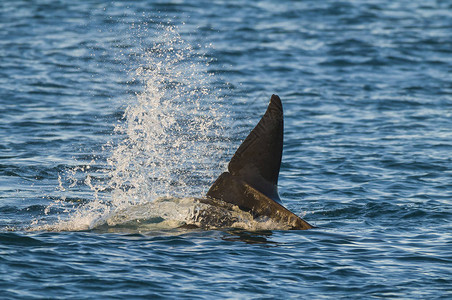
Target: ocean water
x: 114, y: 115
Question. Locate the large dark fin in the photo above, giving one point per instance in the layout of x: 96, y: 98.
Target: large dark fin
x: 258, y: 159
x: 251, y: 182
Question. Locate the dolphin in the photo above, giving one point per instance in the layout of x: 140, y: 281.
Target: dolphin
x: 246, y: 196
x: 251, y: 182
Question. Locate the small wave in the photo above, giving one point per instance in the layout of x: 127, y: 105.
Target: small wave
x: 19, y: 240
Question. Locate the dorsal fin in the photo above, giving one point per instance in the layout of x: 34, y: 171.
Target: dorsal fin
x: 251, y: 183
x: 258, y: 159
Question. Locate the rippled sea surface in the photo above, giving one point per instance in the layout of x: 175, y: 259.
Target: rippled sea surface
x: 367, y: 93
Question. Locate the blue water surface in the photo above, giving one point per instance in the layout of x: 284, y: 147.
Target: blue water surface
x: 367, y: 94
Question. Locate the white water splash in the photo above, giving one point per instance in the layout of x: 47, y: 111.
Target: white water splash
x: 166, y: 143
x: 171, y: 128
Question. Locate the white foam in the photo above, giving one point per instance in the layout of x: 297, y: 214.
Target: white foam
x: 165, y: 145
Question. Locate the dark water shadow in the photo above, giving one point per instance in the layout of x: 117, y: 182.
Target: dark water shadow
x: 249, y: 237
